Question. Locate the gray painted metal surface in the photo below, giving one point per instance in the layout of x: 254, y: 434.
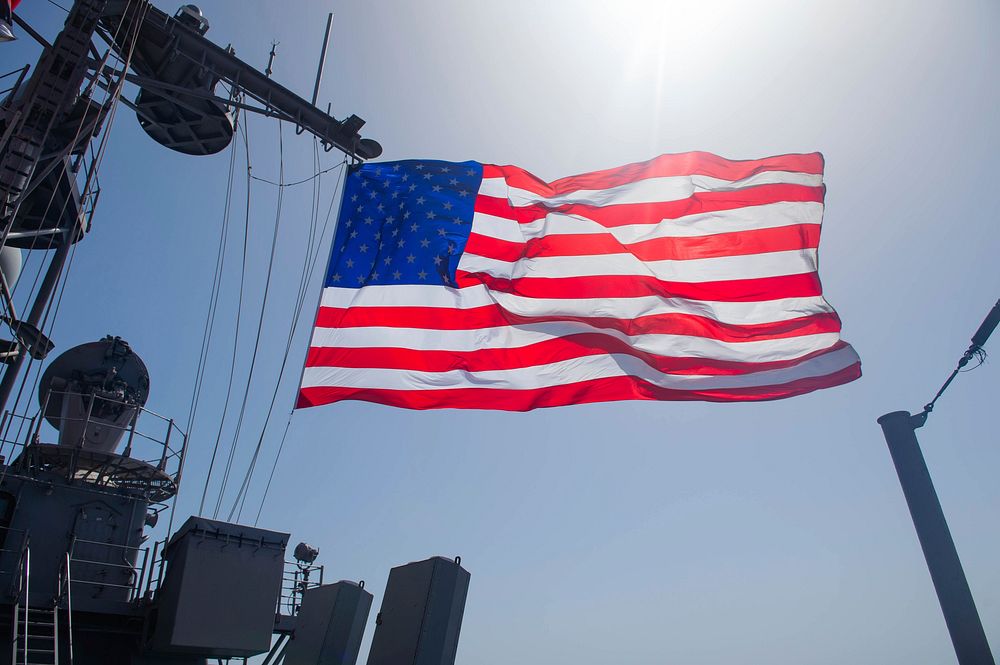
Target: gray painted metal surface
x: 330, y: 625
x: 220, y: 591
x: 952, y: 588
x: 421, y: 615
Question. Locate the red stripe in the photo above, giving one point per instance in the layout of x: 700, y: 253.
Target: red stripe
x: 653, y: 213
x: 492, y: 316
x: 687, y: 163
x: 633, y: 286
x: 598, y: 390
x: 533, y: 355
x: 739, y: 243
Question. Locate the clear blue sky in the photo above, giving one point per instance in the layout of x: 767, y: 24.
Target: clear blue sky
x: 638, y: 533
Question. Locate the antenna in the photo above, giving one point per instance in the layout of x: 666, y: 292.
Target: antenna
x: 322, y: 57
x: 270, y: 60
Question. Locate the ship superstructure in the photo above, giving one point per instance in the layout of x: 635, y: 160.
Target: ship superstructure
x: 86, y: 476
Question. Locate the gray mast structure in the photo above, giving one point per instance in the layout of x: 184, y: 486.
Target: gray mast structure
x: 84, y: 477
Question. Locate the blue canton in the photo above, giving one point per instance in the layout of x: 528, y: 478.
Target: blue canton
x: 404, y: 222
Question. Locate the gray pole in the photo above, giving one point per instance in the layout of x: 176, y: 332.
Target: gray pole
x: 322, y: 58
x: 952, y: 588
x: 35, y: 315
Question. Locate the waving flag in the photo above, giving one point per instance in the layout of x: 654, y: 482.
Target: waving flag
x: 467, y: 285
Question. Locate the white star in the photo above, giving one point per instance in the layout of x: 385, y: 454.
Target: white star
x: 401, y: 242
x: 363, y: 248
x: 368, y: 221
x: 438, y: 260
x: 441, y: 232
x: 406, y: 214
x: 413, y: 187
x: 411, y: 258
x: 458, y: 220
x: 375, y: 275
x: 430, y: 214
x: 448, y: 205
x: 396, y: 167
x: 423, y: 243
x: 350, y: 223
x: 470, y: 172
x: 420, y: 200
x: 361, y: 279
x: 364, y: 183
x: 360, y: 208
x: 436, y: 188
x: 390, y: 219
x: 381, y: 208
x: 413, y: 226
x: 420, y: 167
x: 406, y: 176
x: 395, y: 232
x: 372, y: 195
x: 463, y: 193
x: 387, y: 260
x: 445, y: 169
x: 395, y: 195
x: 378, y: 234
x: 336, y: 277
x: 354, y: 199
x: 349, y: 263
x: 422, y: 274
x: 354, y: 234
x: 397, y: 275
x: 453, y: 182
x: 427, y: 176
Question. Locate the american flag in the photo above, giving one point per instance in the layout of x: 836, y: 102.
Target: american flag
x: 468, y: 285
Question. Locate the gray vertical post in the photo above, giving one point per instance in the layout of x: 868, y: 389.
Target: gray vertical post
x: 42, y: 299
x: 952, y: 588
x: 322, y: 58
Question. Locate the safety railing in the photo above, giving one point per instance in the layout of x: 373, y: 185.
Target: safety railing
x: 130, y: 561
x: 20, y: 593
x: 152, y: 440
x: 65, y: 593
x: 296, y: 579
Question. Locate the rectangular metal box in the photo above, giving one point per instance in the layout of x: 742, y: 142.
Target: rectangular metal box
x: 421, y: 614
x: 330, y: 625
x: 219, y: 594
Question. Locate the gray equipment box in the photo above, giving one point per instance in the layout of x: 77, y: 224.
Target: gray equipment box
x: 330, y: 625
x: 421, y: 614
x: 220, y: 592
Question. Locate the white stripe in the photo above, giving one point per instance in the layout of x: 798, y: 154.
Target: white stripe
x: 768, y: 216
x: 516, y: 336
x: 570, y: 371
x: 739, y: 267
x: 649, y: 190
x: 419, y: 295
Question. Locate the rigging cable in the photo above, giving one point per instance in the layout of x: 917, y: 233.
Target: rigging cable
x: 213, y: 306
x: 260, y: 323
x: 312, y: 269
x: 239, y: 316
x: 296, y: 316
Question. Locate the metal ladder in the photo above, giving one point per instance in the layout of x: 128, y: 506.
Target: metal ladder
x: 36, y: 629
x: 38, y: 638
